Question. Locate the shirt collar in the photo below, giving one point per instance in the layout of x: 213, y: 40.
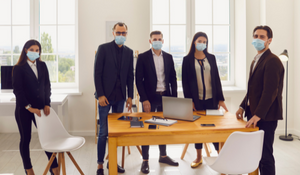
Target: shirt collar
x: 30, y: 63
x: 257, y: 57
x: 161, y: 53
x: 117, y: 47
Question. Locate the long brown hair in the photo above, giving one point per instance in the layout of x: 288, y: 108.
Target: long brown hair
x: 192, y: 48
x: 23, y: 57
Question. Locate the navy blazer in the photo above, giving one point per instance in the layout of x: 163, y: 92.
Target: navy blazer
x: 31, y: 90
x: 105, y: 70
x: 146, y: 79
x: 189, y: 79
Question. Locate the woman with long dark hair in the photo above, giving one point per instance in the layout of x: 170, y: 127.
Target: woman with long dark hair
x: 201, y: 82
x: 32, y: 88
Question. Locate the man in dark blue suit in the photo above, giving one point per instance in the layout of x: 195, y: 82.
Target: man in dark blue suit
x: 113, y: 74
x: 155, y: 77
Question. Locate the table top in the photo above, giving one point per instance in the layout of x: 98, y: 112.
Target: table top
x: 228, y: 123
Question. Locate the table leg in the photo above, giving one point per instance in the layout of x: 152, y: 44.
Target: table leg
x: 112, y: 151
x: 254, y: 172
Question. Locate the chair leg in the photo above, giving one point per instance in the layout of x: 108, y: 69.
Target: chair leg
x: 206, y: 150
x: 106, y: 157
x: 59, y: 161
x: 63, y: 164
x: 184, y: 151
x: 75, y: 163
x: 139, y: 148
x: 128, y: 147
x: 209, y: 149
x: 123, y: 155
x: 49, y: 163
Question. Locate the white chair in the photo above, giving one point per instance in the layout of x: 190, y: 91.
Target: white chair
x: 240, y: 154
x: 54, y: 138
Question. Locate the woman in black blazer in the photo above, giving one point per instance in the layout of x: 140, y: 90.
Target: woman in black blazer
x: 201, y: 82
x: 31, y: 86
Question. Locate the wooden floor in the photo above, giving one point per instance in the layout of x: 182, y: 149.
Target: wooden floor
x: 287, y: 155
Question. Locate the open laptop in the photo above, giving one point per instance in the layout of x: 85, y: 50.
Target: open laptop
x: 178, y: 108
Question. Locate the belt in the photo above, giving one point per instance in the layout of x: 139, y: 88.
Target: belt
x: 161, y: 93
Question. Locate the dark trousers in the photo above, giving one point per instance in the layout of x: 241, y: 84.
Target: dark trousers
x: 267, y: 162
x: 156, y: 105
x: 24, y: 120
x: 203, y: 105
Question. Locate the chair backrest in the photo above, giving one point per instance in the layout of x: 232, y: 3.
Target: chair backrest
x: 240, y: 154
x: 50, y: 128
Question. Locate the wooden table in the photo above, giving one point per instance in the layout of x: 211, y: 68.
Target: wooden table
x: 182, y: 132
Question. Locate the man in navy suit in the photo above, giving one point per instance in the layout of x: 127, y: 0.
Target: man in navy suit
x: 155, y: 77
x: 113, y: 74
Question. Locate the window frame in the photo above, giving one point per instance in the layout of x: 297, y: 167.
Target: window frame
x: 34, y: 29
x: 190, y: 31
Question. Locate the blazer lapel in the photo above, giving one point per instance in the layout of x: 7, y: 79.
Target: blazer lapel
x: 259, y: 61
x: 29, y: 70
x: 114, y: 53
x: 166, y: 67
x: 151, y: 60
x: 39, y: 69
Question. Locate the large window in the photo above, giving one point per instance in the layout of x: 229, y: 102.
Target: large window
x: 53, y: 23
x: 179, y: 20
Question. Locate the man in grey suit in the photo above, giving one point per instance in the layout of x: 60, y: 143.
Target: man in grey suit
x: 113, y: 74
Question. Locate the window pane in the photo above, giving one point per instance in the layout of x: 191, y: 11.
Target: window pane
x: 178, y: 11
x: 20, y: 11
x: 47, y: 12
x: 66, y: 39
x: 50, y: 61
x: 160, y: 11
x: 5, y: 41
x: 5, y: 11
x: 208, y: 31
x: 222, y: 59
x: 178, y: 36
x: 21, y: 35
x: 48, y: 39
x: 66, y: 12
x: 178, y: 65
x: 224, y: 73
x: 165, y: 31
x: 5, y: 60
x: 221, y: 11
x: 15, y: 59
x: 221, y: 39
x: 203, y: 11
x: 66, y: 68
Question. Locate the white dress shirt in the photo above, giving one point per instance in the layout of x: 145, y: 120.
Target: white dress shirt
x: 160, y: 71
x: 207, y: 79
x: 33, y: 67
x: 256, y: 58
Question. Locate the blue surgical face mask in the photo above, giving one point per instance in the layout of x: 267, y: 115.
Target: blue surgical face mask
x: 200, y: 46
x: 120, y: 40
x: 258, y: 44
x: 33, y: 55
x: 157, y: 45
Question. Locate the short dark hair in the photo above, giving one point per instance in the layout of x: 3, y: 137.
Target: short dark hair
x: 156, y: 32
x: 120, y: 24
x: 266, y: 28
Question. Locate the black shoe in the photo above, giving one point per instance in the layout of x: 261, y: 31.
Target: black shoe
x: 120, y: 169
x: 145, y: 167
x: 100, y: 172
x: 168, y: 161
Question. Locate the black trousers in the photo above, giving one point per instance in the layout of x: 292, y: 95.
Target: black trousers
x: 24, y: 120
x: 156, y: 105
x: 267, y: 162
x: 203, y: 105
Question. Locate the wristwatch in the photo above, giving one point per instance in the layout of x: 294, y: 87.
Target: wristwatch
x: 28, y: 106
